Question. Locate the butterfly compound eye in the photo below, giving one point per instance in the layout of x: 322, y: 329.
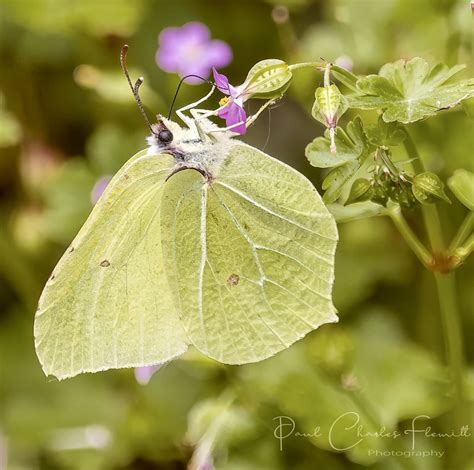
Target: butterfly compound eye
x: 165, y: 136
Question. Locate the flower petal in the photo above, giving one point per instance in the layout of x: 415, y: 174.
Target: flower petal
x: 221, y: 81
x: 167, y: 59
x: 222, y: 113
x: 194, y: 69
x: 195, y: 32
x: 218, y: 54
x: 190, y: 50
x: 236, y: 114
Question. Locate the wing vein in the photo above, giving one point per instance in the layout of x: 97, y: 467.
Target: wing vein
x: 270, y: 211
x: 202, y: 263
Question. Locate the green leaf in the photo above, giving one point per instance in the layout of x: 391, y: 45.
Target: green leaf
x: 410, y: 91
x: 350, y: 146
x: 352, y: 149
x: 385, y: 134
x: 462, y: 185
x: 355, y: 211
x: 337, y: 178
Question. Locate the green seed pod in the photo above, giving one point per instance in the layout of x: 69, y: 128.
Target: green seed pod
x: 329, y: 105
x: 428, y: 188
x: 268, y: 79
x: 361, y: 190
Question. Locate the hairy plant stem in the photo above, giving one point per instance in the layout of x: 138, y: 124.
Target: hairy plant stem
x: 446, y: 289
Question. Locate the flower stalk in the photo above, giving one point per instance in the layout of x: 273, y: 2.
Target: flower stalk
x: 446, y: 290
x: 463, y: 233
x: 409, y: 236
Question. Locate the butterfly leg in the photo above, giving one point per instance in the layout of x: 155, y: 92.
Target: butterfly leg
x: 186, y: 119
x: 253, y: 118
x: 203, y: 125
x: 250, y: 120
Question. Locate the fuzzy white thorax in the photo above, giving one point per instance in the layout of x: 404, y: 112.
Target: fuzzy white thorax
x: 189, y: 149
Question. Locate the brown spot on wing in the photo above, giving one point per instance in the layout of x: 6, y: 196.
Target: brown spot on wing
x: 233, y: 280
x: 105, y: 263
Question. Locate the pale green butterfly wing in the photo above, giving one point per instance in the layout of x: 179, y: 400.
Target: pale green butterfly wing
x: 108, y: 303
x: 250, y: 256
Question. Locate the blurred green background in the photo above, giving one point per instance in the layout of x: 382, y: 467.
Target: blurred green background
x: 67, y: 119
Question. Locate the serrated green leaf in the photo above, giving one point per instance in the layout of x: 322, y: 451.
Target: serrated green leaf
x: 462, y: 185
x: 350, y: 146
x: 410, y: 91
x: 335, y: 181
x: 387, y: 134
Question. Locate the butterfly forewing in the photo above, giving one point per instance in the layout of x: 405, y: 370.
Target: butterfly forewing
x: 108, y: 303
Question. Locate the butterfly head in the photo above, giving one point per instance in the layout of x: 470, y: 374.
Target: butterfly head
x: 162, y: 132
x: 168, y: 136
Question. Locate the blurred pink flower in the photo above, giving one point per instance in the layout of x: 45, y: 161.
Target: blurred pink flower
x: 99, y: 188
x: 144, y: 374
x: 189, y: 50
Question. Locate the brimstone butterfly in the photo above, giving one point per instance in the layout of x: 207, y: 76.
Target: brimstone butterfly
x: 198, y: 240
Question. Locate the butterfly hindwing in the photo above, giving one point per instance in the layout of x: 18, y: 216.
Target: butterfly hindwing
x: 251, y: 256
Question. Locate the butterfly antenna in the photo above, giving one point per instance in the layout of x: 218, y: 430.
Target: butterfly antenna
x: 135, y: 88
x: 179, y: 86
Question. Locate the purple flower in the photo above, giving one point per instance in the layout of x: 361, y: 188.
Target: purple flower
x: 99, y: 188
x: 190, y: 50
x: 232, y: 108
x: 144, y: 374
